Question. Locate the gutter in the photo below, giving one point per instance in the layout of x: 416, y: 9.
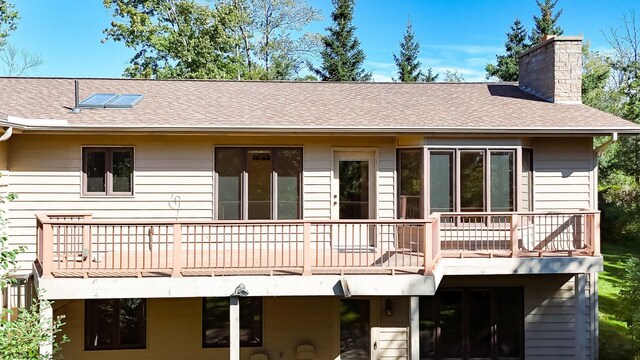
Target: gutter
x: 63, y: 126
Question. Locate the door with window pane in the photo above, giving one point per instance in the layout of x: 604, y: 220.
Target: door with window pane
x: 353, y: 198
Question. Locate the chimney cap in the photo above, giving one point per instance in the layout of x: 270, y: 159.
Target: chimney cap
x: 550, y: 39
x: 547, y: 37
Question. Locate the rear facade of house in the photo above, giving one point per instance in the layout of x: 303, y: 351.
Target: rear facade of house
x: 258, y: 220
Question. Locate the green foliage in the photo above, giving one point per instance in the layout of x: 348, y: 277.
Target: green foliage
x: 264, y: 35
x: 8, y: 255
x: 21, y: 337
x: 453, y: 76
x: 430, y: 76
x: 547, y: 22
x: 175, y: 38
x: 615, y: 339
x: 630, y: 296
x: 8, y: 20
x: 506, y: 68
x: 407, y: 61
x: 342, y: 57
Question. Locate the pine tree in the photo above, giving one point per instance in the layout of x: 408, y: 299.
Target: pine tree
x: 342, y: 56
x: 507, y: 64
x: 430, y: 76
x: 407, y: 62
x: 547, y: 23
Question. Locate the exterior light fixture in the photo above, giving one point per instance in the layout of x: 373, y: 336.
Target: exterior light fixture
x: 240, y: 291
x: 388, y: 307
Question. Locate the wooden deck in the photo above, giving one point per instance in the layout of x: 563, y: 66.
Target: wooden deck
x: 73, y: 245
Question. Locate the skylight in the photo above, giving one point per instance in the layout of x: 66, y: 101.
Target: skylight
x: 111, y: 101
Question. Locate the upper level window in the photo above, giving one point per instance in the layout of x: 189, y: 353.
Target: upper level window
x: 215, y: 322
x: 462, y: 180
x: 472, y: 180
x: 258, y: 183
x: 410, y: 183
x: 113, y: 324
x: 107, y: 171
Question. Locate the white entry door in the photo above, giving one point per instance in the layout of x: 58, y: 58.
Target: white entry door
x: 353, y: 198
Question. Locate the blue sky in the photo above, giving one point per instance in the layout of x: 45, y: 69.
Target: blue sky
x: 454, y: 34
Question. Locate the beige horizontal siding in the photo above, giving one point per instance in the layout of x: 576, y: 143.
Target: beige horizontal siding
x: 563, y: 174
x: 45, y: 172
x: 550, y: 318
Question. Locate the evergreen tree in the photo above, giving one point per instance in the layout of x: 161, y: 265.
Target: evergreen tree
x: 342, y: 56
x: 430, y: 76
x: 547, y: 22
x: 506, y: 68
x: 407, y: 62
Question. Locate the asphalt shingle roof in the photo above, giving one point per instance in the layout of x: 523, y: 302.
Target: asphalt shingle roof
x: 315, y: 106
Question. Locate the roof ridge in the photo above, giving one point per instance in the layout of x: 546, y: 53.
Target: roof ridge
x: 257, y: 81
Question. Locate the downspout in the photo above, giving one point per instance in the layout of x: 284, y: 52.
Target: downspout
x: 597, y: 152
x: 7, y: 134
x: 602, y: 147
x: 594, y: 275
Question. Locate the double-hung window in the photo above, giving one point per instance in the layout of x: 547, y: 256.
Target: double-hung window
x: 107, y: 171
x: 215, y: 322
x: 258, y: 183
x: 114, y: 324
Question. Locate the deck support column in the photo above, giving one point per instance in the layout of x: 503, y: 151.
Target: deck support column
x: 234, y: 328
x: 579, y: 294
x: 414, y: 327
x: 46, y: 316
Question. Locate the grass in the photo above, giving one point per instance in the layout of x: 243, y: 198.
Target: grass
x: 615, y: 340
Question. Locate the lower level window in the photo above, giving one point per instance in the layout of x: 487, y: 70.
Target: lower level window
x: 472, y: 323
x: 215, y: 322
x: 113, y: 324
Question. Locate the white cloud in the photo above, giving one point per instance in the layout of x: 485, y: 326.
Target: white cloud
x: 379, y: 65
x: 470, y: 75
x: 377, y: 77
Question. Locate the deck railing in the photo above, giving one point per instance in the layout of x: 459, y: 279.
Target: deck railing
x: 77, y: 245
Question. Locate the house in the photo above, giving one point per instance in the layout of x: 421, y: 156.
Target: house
x: 295, y: 220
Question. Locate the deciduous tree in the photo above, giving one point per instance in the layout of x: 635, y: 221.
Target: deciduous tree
x: 453, y: 76
x: 175, y: 38
x: 271, y: 36
x: 8, y: 20
x: 342, y: 57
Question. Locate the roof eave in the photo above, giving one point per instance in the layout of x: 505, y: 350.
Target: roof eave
x: 320, y: 130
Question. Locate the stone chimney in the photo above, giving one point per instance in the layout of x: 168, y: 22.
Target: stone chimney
x: 552, y: 70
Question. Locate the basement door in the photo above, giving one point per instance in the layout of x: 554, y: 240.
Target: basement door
x: 353, y: 193
x: 365, y: 335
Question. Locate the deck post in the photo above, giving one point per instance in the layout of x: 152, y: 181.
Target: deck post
x: 579, y: 298
x: 234, y: 328
x: 177, y: 251
x: 515, y: 227
x: 414, y: 330
x: 306, y: 249
x: 47, y: 249
x: 427, y: 248
x: 435, y: 239
x: 46, y: 316
x: 595, y: 235
x: 86, y: 239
